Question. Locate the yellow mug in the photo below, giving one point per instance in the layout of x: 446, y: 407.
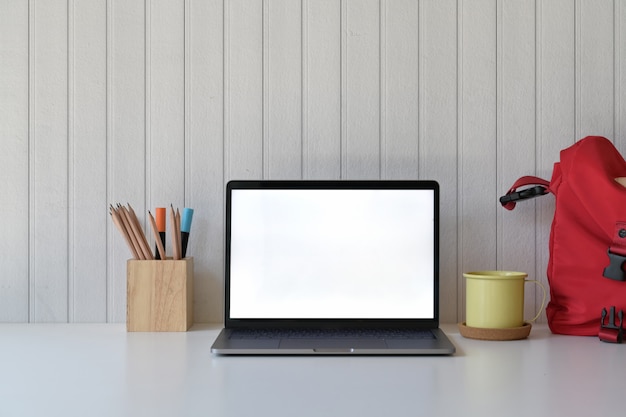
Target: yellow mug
x: 495, y: 299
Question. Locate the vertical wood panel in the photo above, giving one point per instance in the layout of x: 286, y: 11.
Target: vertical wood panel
x: 49, y: 187
x: 516, y: 136
x: 87, y: 164
x: 166, y: 102
x: 244, y: 89
x: 283, y: 73
x: 361, y: 139
x: 400, y: 114
x: 478, y: 169
x: 438, y: 134
x: 321, y: 151
x: 14, y: 168
x: 595, y: 77
x: 557, y: 80
x: 556, y: 122
x: 127, y: 150
x: 151, y: 102
x: 205, y: 171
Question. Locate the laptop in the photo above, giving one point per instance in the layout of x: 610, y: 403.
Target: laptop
x: 332, y: 268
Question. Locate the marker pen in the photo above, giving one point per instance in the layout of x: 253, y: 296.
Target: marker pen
x: 160, y: 223
x: 185, y: 227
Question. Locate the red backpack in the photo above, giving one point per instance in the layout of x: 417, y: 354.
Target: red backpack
x: 587, y: 238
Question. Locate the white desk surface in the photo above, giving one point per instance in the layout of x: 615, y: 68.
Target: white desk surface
x: 101, y: 370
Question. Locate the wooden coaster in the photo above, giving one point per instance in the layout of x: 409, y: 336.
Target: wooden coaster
x: 513, y: 333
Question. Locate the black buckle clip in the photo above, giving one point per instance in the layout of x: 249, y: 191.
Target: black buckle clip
x: 614, y: 270
x: 611, y: 332
x: 532, y: 192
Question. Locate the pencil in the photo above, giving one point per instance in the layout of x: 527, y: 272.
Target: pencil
x: 157, y: 236
x: 141, y: 236
x: 145, y: 254
x: 129, y: 229
x: 175, y: 239
x: 178, y: 237
x: 118, y: 223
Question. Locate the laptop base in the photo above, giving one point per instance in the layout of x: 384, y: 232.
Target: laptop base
x: 438, y: 345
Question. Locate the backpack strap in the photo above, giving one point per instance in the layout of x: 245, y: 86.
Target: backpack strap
x: 538, y: 187
x: 611, y: 331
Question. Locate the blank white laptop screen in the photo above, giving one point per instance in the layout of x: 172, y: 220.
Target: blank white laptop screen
x: 332, y: 254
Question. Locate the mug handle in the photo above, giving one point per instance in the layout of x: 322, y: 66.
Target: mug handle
x: 543, y: 300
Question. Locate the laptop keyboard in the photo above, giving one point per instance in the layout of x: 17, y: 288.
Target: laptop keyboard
x: 331, y: 333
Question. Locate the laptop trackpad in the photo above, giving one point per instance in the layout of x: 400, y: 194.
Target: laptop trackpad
x: 339, y: 344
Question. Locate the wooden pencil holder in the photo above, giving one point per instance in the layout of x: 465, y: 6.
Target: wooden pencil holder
x: 159, y: 295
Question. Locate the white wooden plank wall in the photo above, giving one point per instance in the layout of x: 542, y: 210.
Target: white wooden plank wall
x: 155, y: 102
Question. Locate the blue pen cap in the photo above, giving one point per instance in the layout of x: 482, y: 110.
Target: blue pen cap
x: 185, y: 222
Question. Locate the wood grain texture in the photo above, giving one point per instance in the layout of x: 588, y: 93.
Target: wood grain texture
x: 160, y: 295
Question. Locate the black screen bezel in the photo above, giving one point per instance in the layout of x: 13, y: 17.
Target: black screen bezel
x: 331, y: 323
